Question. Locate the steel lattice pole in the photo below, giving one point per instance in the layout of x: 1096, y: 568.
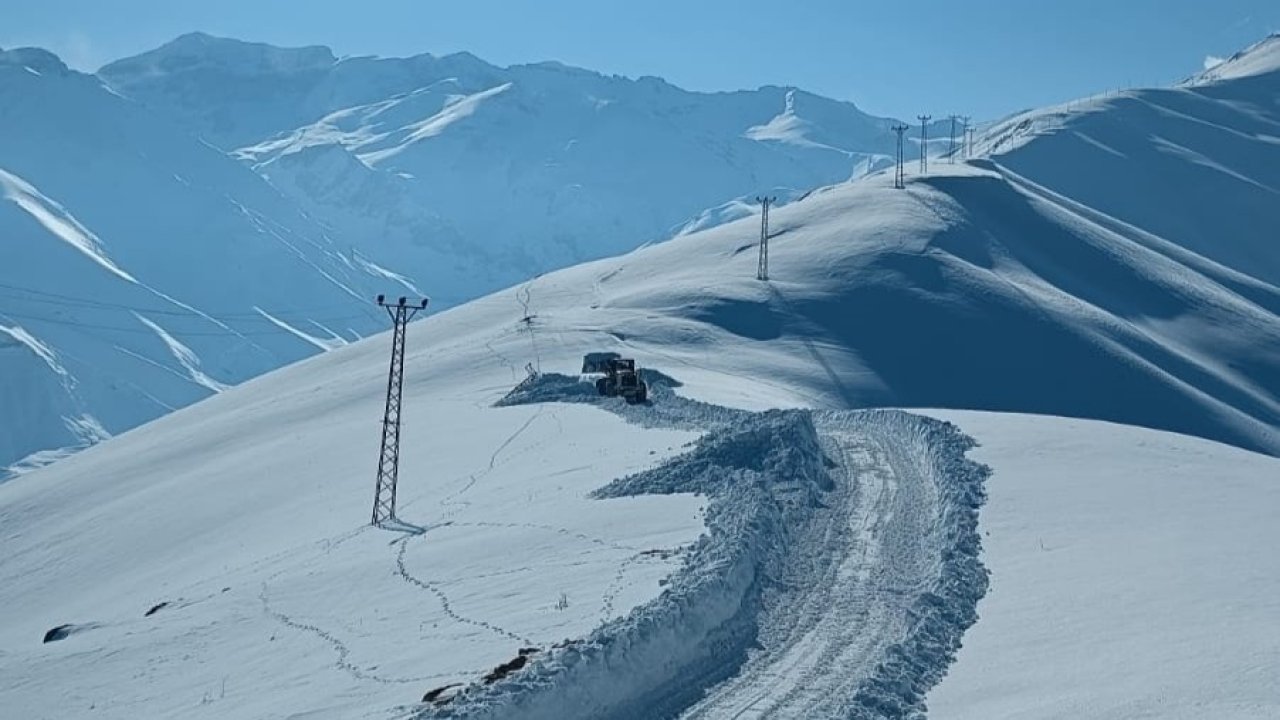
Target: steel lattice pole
x: 384, y: 497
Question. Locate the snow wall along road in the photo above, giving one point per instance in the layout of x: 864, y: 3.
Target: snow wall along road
x: 839, y: 573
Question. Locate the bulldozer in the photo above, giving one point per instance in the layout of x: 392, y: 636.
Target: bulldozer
x: 620, y: 376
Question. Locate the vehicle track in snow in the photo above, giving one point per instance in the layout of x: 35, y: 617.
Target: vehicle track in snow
x: 838, y: 574
x: 860, y: 565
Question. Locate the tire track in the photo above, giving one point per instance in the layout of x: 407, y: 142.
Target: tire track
x: 873, y: 555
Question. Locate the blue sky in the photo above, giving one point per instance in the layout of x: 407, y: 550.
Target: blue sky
x: 979, y: 57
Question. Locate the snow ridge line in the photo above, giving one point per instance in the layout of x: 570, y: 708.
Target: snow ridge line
x: 765, y: 473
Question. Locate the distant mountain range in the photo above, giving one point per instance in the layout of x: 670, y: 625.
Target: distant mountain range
x: 213, y: 209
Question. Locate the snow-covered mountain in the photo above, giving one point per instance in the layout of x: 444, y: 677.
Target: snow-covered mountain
x: 141, y: 269
x: 519, y: 169
x: 444, y: 176
x: 753, y: 542
x: 1193, y: 165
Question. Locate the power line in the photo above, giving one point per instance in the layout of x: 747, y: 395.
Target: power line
x: 52, y: 298
x: 182, y: 333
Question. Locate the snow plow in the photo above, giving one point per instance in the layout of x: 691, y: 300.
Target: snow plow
x: 621, y: 378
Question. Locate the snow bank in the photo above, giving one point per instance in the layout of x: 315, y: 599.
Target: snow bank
x: 766, y: 474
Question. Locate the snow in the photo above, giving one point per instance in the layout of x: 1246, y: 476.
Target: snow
x: 57, y: 221
x: 757, y: 541
x: 457, y: 108
x: 1258, y: 59
x: 442, y: 139
x: 1131, y: 576
x: 333, y: 342
x: 42, y: 351
x: 1194, y: 165
x: 126, y: 215
x: 787, y: 127
x: 183, y: 354
x: 547, y: 518
x: 376, y: 170
x: 320, y: 612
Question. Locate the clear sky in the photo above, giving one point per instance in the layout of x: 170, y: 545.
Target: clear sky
x: 979, y: 57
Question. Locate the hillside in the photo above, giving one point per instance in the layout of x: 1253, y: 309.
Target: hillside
x: 1192, y: 167
x: 1128, y: 576
x: 773, y: 535
x: 142, y: 270
x: 440, y: 176
x: 643, y: 536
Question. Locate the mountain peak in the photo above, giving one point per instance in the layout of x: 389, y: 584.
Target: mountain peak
x: 36, y: 59
x: 200, y: 50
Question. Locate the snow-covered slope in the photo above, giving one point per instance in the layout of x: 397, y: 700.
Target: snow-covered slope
x: 422, y: 149
x: 1194, y: 167
x: 1077, y: 273
x: 141, y: 269
x: 1262, y: 58
x: 972, y: 288
x: 445, y: 176
x: 1131, y: 576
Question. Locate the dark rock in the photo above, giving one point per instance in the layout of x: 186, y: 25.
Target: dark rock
x: 58, y: 633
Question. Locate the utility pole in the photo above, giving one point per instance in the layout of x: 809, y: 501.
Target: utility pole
x: 951, y: 146
x: 924, y: 143
x: 762, y: 272
x: 899, y: 172
x: 384, y: 497
x: 964, y: 140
